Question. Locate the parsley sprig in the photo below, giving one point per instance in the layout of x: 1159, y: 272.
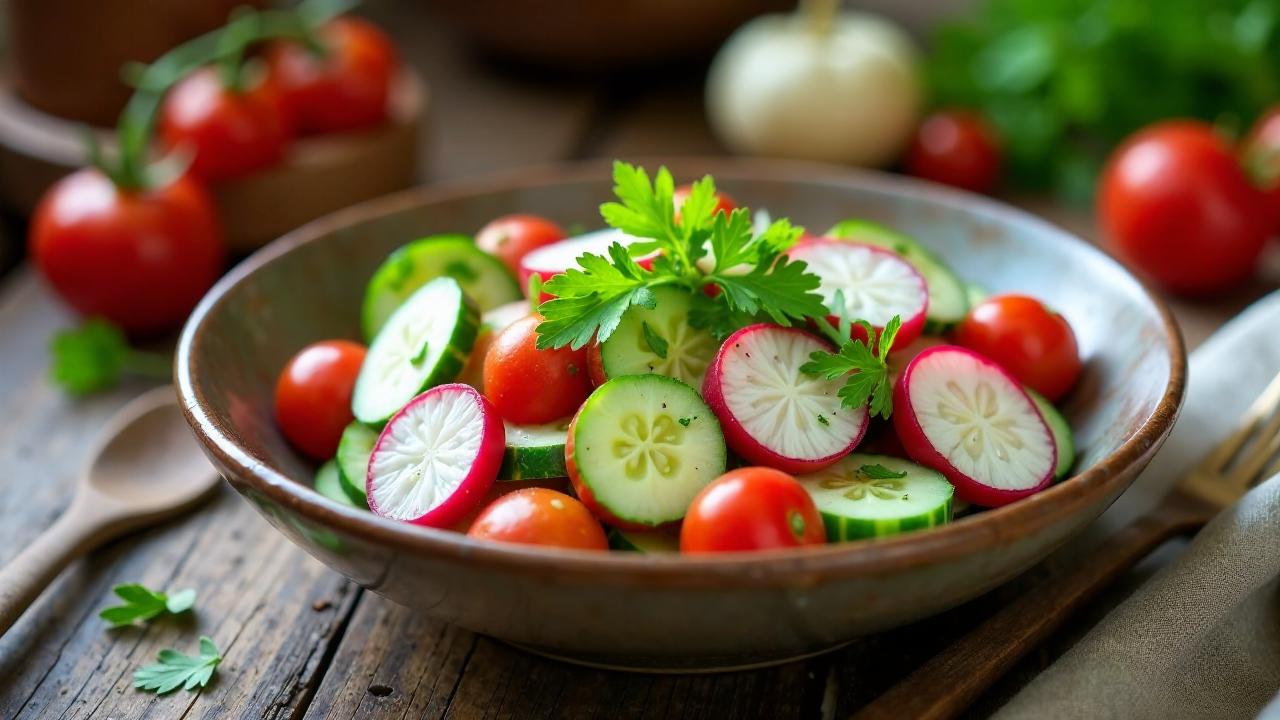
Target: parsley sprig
x: 754, y: 278
x: 96, y: 355
x: 174, y: 670
x: 142, y: 603
x: 867, y: 368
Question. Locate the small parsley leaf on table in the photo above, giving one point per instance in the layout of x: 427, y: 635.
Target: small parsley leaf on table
x: 96, y: 355
x: 142, y: 603
x: 174, y: 670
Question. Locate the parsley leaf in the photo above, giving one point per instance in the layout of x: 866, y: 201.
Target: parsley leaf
x: 590, y: 301
x: 96, y: 355
x: 880, y: 472
x: 176, y: 670
x: 141, y: 603
x: 867, y: 370
x: 655, y: 341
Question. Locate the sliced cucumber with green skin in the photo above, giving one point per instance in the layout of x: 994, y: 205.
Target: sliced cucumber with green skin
x: 353, y: 460
x: 659, y: 340
x: 857, y: 499
x: 644, y: 541
x: 424, y: 343
x: 948, y: 296
x: 975, y: 293
x: 640, y: 448
x: 534, y: 452
x: 483, y: 277
x: 328, y: 485
x: 1061, y: 431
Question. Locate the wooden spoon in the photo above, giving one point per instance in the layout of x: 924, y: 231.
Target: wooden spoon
x: 147, y: 468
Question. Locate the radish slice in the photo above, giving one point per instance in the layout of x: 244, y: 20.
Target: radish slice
x: 772, y: 413
x: 551, y: 260
x: 964, y: 416
x: 875, y: 283
x: 436, y: 458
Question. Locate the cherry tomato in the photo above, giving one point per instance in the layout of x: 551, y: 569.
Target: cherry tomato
x: 1175, y: 204
x: 347, y: 88
x: 538, y: 516
x: 1035, y: 344
x: 139, y: 258
x: 529, y: 386
x: 232, y: 133
x: 958, y: 148
x: 511, y: 237
x: 1262, y: 158
x: 724, y: 203
x: 751, y: 508
x: 313, y: 395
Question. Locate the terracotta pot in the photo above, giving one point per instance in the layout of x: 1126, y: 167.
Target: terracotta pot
x: 66, y: 55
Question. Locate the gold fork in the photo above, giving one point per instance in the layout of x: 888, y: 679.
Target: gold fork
x: 951, y: 680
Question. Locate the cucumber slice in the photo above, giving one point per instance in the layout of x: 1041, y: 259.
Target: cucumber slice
x: 856, y: 501
x: 948, y: 296
x: 483, y: 277
x: 644, y: 541
x: 1061, y: 431
x: 975, y: 293
x: 659, y: 341
x: 328, y: 485
x: 353, y: 460
x: 641, y: 448
x: 423, y: 344
x: 534, y: 452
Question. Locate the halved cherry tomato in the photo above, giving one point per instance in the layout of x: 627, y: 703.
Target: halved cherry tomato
x: 232, y: 133
x: 1262, y: 157
x: 1035, y: 344
x: 140, y: 258
x: 529, y: 386
x: 724, y: 203
x: 958, y: 148
x: 511, y: 237
x: 313, y: 395
x: 752, y: 508
x: 538, y: 516
x: 1175, y: 204
x: 346, y: 88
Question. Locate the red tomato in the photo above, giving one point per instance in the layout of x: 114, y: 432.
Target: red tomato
x: 751, y: 508
x: 724, y: 203
x: 537, y: 516
x: 1035, y: 344
x: 140, y: 258
x: 530, y: 386
x: 1175, y: 203
x: 1262, y: 158
x: 958, y: 148
x: 231, y: 133
x: 511, y: 237
x: 347, y: 88
x: 313, y: 395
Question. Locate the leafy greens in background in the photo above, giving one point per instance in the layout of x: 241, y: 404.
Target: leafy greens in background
x: 1064, y: 81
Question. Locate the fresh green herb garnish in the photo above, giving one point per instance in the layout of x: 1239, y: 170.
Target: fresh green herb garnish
x: 96, y: 355
x: 822, y: 420
x: 684, y: 421
x: 655, y: 341
x: 880, y: 472
x: 174, y: 670
x: 535, y: 291
x: 141, y: 603
x: 867, y: 369
x: 591, y: 298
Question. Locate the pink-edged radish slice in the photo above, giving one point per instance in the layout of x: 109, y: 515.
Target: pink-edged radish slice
x: 875, y: 283
x: 551, y: 260
x: 966, y: 417
x: 436, y: 458
x: 773, y: 414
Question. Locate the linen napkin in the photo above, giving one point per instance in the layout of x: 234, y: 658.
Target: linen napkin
x: 1201, y: 639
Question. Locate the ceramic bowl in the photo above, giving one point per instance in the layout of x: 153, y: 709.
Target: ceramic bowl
x: 666, y: 611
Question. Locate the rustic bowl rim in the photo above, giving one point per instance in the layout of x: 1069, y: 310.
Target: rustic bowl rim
x: 798, y: 567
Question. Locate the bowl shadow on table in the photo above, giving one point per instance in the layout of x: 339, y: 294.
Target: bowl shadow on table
x: 645, y: 612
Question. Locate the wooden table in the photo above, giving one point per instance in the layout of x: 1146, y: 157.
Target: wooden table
x: 299, y: 640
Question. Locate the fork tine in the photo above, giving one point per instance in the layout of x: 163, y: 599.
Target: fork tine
x: 1264, y: 406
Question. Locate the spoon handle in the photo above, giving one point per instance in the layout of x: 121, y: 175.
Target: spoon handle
x: 27, y: 575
